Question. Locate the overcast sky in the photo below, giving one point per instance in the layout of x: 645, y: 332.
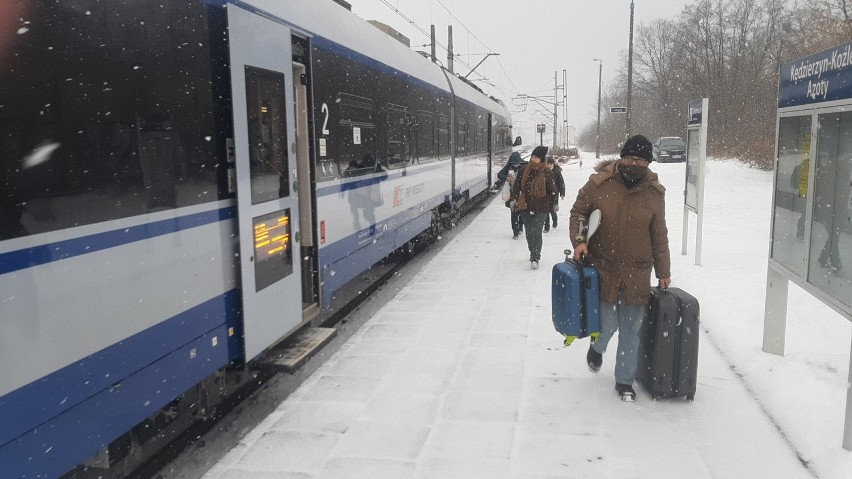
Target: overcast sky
x: 534, y: 38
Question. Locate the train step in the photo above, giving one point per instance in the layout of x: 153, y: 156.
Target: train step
x: 296, y: 351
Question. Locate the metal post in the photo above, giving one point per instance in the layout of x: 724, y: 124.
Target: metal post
x: 565, y: 104
x: 630, y: 74
x: 847, y: 425
x: 702, y: 147
x: 450, y: 48
x: 555, y: 103
x: 600, y: 72
x: 432, y: 56
x: 775, y: 313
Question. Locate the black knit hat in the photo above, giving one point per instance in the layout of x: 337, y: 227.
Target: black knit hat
x: 637, y: 145
x: 540, y: 152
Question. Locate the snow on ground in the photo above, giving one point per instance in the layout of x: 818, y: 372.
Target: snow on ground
x: 461, y: 374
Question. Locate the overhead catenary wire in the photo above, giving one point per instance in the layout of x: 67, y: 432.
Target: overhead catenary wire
x: 453, y: 17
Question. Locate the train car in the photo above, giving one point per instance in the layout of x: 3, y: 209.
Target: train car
x: 184, y: 185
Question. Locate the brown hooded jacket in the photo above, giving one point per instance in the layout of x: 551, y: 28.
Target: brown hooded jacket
x: 632, y: 236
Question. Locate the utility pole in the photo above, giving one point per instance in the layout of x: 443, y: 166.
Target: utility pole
x: 450, y: 48
x: 555, y: 103
x: 565, y: 104
x: 432, y: 56
x: 600, y: 72
x: 630, y: 74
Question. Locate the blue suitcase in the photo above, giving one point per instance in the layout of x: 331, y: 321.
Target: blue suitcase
x: 576, y: 300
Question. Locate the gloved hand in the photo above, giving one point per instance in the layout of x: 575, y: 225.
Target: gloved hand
x: 508, y: 203
x: 554, y: 207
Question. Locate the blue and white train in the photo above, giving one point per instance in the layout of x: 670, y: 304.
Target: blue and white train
x: 185, y: 184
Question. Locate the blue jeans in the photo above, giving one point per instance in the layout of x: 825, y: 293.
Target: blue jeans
x: 627, y: 319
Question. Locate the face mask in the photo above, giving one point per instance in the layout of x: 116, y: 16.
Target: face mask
x: 632, y: 173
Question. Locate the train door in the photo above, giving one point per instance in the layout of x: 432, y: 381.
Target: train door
x: 267, y: 202
x: 304, y: 182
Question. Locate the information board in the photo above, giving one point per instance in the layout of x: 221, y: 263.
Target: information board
x: 692, y: 169
x: 273, y: 255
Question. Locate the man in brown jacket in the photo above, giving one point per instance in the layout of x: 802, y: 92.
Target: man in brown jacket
x: 533, y: 192
x: 632, y: 237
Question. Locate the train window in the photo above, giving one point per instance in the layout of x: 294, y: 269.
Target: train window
x: 354, y: 135
x: 443, y: 137
x: 482, y: 133
x: 397, y: 124
x: 425, y: 137
x: 114, y: 119
x: 267, y: 135
x: 475, y: 136
x: 357, y: 148
x: 461, y: 138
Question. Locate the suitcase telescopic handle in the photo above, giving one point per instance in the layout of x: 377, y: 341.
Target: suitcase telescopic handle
x: 569, y: 256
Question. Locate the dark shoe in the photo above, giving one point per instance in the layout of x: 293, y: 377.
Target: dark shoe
x: 515, y: 236
x: 626, y: 392
x: 594, y: 359
x: 546, y: 229
x: 554, y: 224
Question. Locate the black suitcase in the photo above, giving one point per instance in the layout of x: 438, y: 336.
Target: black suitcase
x: 668, y: 351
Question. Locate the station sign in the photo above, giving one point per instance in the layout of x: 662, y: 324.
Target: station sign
x: 818, y: 78
x: 539, y: 128
x: 618, y: 109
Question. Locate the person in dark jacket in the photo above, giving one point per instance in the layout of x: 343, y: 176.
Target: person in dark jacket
x: 560, y: 188
x: 508, y: 174
x: 632, y: 237
x: 533, y: 193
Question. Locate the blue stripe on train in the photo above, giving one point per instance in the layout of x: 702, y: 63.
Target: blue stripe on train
x: 57, y: 422
x: 345, y: 259
x: 47, y: 253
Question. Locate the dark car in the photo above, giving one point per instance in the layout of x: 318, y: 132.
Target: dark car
x: 669, y: 149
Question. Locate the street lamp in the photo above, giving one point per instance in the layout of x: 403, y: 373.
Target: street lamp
x: 630, y: 75
x: 600, y: 72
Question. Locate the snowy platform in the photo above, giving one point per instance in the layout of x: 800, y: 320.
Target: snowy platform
x: 461, y: 374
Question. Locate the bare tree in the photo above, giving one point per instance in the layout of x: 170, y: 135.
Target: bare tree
x: 729, y: 51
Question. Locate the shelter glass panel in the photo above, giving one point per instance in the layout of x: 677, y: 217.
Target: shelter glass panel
x: 830, y: 241
x: 791, y: 189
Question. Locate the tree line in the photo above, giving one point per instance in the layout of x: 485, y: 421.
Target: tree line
x: 729, y: 51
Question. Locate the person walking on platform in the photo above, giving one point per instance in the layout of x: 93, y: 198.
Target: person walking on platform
x: 554, y: 167
x: 534, y: 191
x: 508, y: 174
x: 631, y: 238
